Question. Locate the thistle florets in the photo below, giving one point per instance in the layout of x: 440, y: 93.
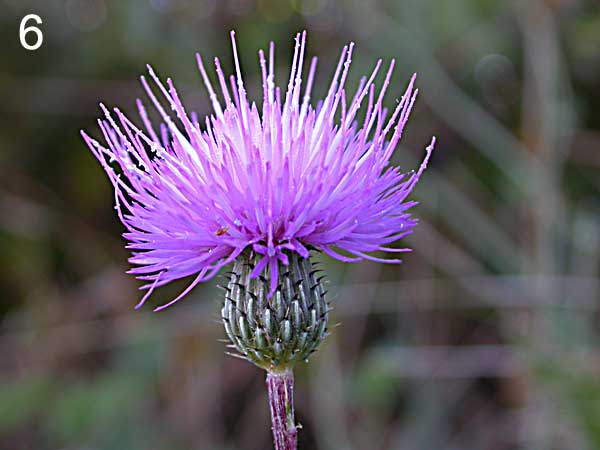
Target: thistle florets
x: 275, y: 332
x: 275, y: 177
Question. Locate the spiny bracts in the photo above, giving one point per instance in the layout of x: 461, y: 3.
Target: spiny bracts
x: 278, y: 331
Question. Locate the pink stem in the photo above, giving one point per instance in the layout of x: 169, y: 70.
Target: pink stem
x: 281, y: 401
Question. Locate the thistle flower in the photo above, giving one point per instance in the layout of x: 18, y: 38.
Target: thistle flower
x: 261, y: 188
x: 194, y: 197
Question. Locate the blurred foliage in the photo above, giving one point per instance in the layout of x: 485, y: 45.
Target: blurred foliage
x: 485, y: 338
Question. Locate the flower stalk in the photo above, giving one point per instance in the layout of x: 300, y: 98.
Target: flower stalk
x: 280, y: 386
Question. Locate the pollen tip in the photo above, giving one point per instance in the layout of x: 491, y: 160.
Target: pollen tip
x: 104, y: 110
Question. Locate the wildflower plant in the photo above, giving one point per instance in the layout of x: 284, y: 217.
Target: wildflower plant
x: 261, y: 189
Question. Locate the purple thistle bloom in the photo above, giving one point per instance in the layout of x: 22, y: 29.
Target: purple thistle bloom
x: 287, y: 179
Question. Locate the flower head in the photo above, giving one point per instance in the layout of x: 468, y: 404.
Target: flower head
x: 275, y: 180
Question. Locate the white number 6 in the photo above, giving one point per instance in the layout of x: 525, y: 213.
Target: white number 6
x: 23, y: 30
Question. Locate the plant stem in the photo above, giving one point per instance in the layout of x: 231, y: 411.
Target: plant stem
x: 281, y: 401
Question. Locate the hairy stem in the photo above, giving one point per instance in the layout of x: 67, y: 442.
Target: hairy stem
x: 281, y: 401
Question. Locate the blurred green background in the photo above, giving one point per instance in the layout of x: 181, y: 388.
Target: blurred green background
x: 485, y: 338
